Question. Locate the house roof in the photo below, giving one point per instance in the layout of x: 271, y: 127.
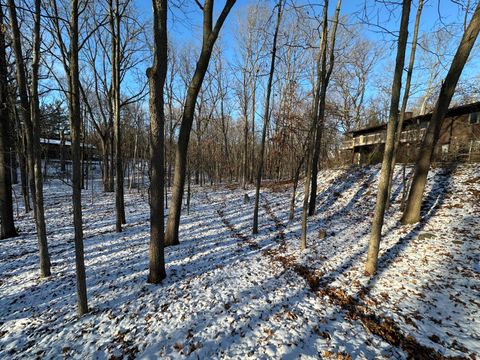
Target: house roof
x: 454, y: 111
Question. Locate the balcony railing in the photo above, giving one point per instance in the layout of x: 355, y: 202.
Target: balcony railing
x: 379, y: 138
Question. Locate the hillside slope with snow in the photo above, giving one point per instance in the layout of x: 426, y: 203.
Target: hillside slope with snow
x: 230, y: 294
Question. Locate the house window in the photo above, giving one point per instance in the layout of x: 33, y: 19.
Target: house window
x: 474, y: 118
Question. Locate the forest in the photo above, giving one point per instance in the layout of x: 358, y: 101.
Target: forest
x: 271, y: 179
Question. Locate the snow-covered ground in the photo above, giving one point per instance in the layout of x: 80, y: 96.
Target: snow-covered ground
x: 230, y: 294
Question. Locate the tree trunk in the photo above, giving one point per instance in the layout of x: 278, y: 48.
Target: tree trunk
x: 245, y: 154
x: 323, y: 80
x: 72, y: 71
x: 210, y: 35
x: 170, y: 150
x: 111, y: 172
x: 23, y: 95
x: 62, y: 152
x: 189, y: 188
x: 252, y: 150
x: 382, y: 192
x: 105, y: 163
x: 422, y: 166
x: 156, y: 77
x: 134, y: 166
x: 82, y: 151
x: 31, y: 115
x: 119, y: 194
x: 406, y: 94
x: 14, y: 163
x: 294, y: 190
x: 7, y: 228
x: 35, y: 113
x: 306, y: 189
x: 23, y: 180
x: 7, y: 225
x: 266, y: 117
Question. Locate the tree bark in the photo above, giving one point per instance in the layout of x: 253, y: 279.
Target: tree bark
x: 156, y: 77
x: 35, y: 113
x: 119, y: 191
x: 70, y: 64
x: 111, y: 144
x: 31, y: 116
x: 7, y: 228
x: 406, y: 94
x: 13, y: 161
x: 23, y: 162
x: 252, y: 150
x: 306, y: 188
x: 266, y: 117
x: 23, y: 95
x: 382, y: 192
x: 323, y: 81
x: 74, y: 90
x: 62, y: 151
x: 422, y: 166
x: 245, y: 131
x: 296, y: 177
x: 105, y: 167
x: 210, y: 35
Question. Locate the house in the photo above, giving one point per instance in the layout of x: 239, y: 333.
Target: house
x: 55, y: 149
x: 459, y: 138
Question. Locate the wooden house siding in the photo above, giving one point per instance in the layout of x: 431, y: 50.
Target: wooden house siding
x: 459, y: 138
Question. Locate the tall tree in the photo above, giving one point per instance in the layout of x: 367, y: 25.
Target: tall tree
x: 24, y: 108
x: 35, y: 114
x: 70, y: 63
x: 7, y: 228
x: 251, y: 44
x: 156, y: 76
x: 30, y: 112
x: 210, y: 35
x: 406, y: 95
x: 382, y: 192
x: 114, y: 19
x: 113, y: 54
x: 266, y: 117
x: 320, y: 97
x: 412, y: 210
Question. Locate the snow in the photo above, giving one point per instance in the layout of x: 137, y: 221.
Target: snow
x: 230, y: 294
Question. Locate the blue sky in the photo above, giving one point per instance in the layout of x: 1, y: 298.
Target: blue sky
x: 185, y: 24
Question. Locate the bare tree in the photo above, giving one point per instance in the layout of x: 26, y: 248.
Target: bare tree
x: 433, y: 59
x: 115, y: 15
x: 406, y: 94
x: 210, y: 35
x: 35, y: 113
x: 382, y: 192
x: 320, y: 96
x: 412, y: 211
x: 350, y: 79
x: 156, y: 76
x: 31, y: 117
x: 7, y: 228
x: 251, y: 44
x: 266, y: 117
x: 69, y: 58
x: 113, y: 54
